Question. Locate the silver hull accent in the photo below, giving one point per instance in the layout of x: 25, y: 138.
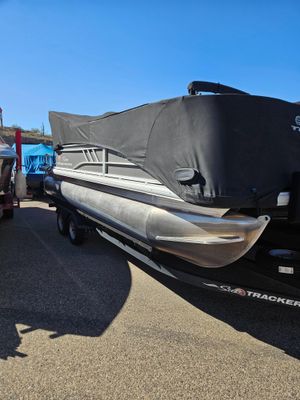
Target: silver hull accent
x: 151, y: 192
x: 207, y: 241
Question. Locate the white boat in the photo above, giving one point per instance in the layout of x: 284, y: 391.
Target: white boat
x: 191, y: 176
x: 7, y: 159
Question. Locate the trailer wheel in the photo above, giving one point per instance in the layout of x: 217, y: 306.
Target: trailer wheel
x: 62, y: 222
x: 76, y: 234
x: 8, y: 213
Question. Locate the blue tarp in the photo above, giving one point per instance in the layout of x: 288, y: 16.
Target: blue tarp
x: 34, y: 156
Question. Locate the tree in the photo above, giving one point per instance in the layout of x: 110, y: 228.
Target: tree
x: 15, y: 126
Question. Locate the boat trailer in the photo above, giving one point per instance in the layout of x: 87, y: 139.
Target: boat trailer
x: 246, y: 278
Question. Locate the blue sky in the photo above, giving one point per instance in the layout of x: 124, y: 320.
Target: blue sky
x: 89, y: 57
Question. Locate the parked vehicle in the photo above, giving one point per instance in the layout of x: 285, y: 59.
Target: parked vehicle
x: 204, y: 179
x: 34, y: 157
x: 7, y: 159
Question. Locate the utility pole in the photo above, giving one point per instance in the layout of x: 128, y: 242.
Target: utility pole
x: 43, y: 129
x: 1, y: 118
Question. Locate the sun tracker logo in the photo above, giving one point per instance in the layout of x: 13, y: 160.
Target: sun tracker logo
x: 255, y: 295
x: 296, y: 128
x: 225, y: 288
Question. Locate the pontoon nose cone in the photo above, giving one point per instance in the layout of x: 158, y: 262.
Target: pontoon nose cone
x: 206, y: 241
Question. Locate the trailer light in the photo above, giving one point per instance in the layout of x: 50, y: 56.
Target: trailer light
x: 285, y: 270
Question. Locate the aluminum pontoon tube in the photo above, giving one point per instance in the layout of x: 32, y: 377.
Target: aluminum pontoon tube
x: 203, y: 240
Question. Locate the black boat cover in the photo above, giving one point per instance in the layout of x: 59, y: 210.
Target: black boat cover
x: 231, y: 150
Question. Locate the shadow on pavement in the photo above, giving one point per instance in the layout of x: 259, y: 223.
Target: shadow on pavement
x: 278, y: 326
x: 46, y: 283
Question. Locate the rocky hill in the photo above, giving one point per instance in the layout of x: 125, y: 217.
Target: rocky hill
x: 8, y: 134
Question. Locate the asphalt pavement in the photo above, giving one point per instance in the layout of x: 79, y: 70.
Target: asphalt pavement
x: 88, y: 323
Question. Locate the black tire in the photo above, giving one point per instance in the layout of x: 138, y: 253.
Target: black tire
x: 76, y: 234
x: 9, y: 214
x: 62, y: 222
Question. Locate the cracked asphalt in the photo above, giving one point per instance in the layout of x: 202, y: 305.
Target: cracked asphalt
x: 88, y: 323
